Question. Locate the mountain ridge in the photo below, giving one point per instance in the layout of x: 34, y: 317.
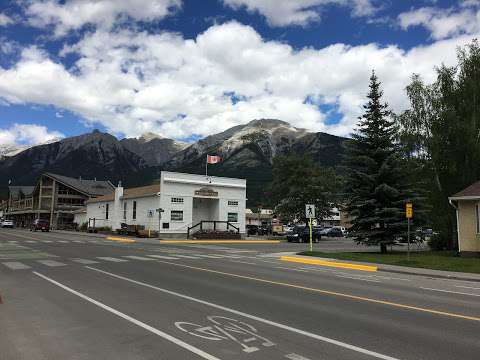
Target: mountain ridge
x: 247, y: 151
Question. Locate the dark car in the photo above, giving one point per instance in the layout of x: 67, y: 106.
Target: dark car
x: 40, y: 224
x: 251, y: 229
x: 302, y: 234
x: 335, y: 232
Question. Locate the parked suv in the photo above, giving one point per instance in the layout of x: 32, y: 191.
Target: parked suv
x: 7, y: 223
x: 40, y: 224
x: 302, y: 234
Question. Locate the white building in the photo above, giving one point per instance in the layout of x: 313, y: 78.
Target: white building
x: 189, y: 202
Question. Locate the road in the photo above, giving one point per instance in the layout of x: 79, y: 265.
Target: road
x: 75, y: 297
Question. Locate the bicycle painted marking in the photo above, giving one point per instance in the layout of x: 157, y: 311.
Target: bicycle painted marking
x: 227, y: 329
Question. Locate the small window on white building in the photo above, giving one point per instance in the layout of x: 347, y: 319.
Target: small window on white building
x: 176, y: 215
x: 232, y: 203
x: 125, y: 211
x: 232, y: 217
x: 177, y: 200
x: 106, y: 211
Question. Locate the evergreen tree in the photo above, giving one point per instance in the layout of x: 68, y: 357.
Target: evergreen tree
x: 375, y: 182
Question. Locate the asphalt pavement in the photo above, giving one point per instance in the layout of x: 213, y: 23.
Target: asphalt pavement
x: 67, y: 296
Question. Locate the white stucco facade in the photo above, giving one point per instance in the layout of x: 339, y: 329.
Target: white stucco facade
x: 186, y: 199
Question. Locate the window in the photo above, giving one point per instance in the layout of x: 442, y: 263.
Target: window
x: 232, y: 217
x: 165, y: 225
x: 232, y: 203
x: 125, y: 211
x: 477, y: 216
x: 106, y: 211
x: 177, y: 200
x: 176, y: 215
x: 134, y: 210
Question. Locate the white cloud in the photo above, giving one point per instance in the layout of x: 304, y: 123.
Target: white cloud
x: 27, y: 134
x: 74, y: 14
x: 5, y: 20
x: 444, y: 23
x: 134, y: 82
x: 299, y: 12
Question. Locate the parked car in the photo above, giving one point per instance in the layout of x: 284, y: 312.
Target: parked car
x: 7, y: 223
x: 40, y: 224
x: 334, y: 232
x: 325, y: 230
x: 251, y: 229
x: 302, y: 234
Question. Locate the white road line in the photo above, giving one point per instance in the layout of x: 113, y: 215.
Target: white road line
x: 85, y: 261
x: 291, y: 269
x: 467, y: 287
x: 13, y: 242
x: 78, y: 241
x: 62, y: 241
x: 106, y: 258
x: 186, y: 256
x: 163, y: 257
x: 46, y: 241
x: 52, y: 263
x: 210, y: 256
x: 147, y: 327
x: 142, y: 258
x: 448, y: 291
x: 15, y: 265
x: 294, y: 356
x: 356, y: 278
x: 30, y: 241
x: 253, y: 317
x: 243, y: 262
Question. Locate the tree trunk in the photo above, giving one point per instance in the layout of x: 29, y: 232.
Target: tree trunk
x: 383, y: 248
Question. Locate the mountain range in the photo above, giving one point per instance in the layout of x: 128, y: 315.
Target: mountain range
x: 247, y: 151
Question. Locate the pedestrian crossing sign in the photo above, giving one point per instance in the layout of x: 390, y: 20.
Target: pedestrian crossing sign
x: 409, y: 210
x: 310, y: 211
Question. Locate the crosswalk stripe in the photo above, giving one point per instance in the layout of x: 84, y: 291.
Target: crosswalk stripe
x: 163, y: 257
x: 15, y: 265
x: 62, y: 241
x: 85, y: 261
x: 106, y: 258
x: 142, y: 258
x: 46, y: 241
x: 13, y: 242
x: 78, y: 241
x: 52, y: 263
x: 187, y: 256
x: 30, y: 241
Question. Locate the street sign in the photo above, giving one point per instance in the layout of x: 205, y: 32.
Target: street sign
x: 409, y: 210
x: 310, y: 211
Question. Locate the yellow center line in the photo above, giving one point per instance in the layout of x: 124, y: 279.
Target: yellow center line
x: 328, y: 292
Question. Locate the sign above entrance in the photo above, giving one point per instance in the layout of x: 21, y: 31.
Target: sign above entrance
x: 206, y: 192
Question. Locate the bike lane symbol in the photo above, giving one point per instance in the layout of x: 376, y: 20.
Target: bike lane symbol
x: 227, y: 329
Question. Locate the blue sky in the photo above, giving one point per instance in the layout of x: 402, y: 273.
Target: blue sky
x: 186, y: 69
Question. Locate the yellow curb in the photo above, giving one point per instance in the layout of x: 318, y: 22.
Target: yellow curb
x: 329, y: 263
x: 219, y: 241
x: 120, y: 239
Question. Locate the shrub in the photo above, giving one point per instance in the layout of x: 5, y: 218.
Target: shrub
x: 84, y: 226
x: 438, y: 242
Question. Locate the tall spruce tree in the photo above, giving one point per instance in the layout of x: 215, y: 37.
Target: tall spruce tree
x: 375, y: 185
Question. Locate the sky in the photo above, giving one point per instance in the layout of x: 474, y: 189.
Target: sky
x: 185, y: 69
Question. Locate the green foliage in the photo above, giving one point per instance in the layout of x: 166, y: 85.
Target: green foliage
x: 438, y: 242
x: 376, y: 185
x: 84, y: 226
x: 104, y: 228
x: 297, y: 181
x: 441, y: 131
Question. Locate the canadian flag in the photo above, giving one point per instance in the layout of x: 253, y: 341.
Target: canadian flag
x: 213, y: 159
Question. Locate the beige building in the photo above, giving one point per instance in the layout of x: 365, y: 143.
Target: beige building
x: 467, y: 205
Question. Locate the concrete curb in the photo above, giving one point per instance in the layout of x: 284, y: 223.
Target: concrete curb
x: 220, y: 241
x: 334, y: 264
x: 397, y: 269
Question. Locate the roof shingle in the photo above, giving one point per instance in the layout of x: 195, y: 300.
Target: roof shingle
x: 472, y: 190
x: 131, y: 193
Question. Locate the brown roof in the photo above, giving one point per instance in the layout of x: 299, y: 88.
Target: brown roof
x: 472, y: 190
x: 130, y: 193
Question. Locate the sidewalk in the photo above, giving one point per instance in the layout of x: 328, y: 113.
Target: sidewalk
x: 440, y: 274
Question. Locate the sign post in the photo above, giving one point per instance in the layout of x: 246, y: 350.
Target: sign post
x: 159, y: 210
x: 310, y: 214
x: 409, y: 215
x: 150, y: 216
